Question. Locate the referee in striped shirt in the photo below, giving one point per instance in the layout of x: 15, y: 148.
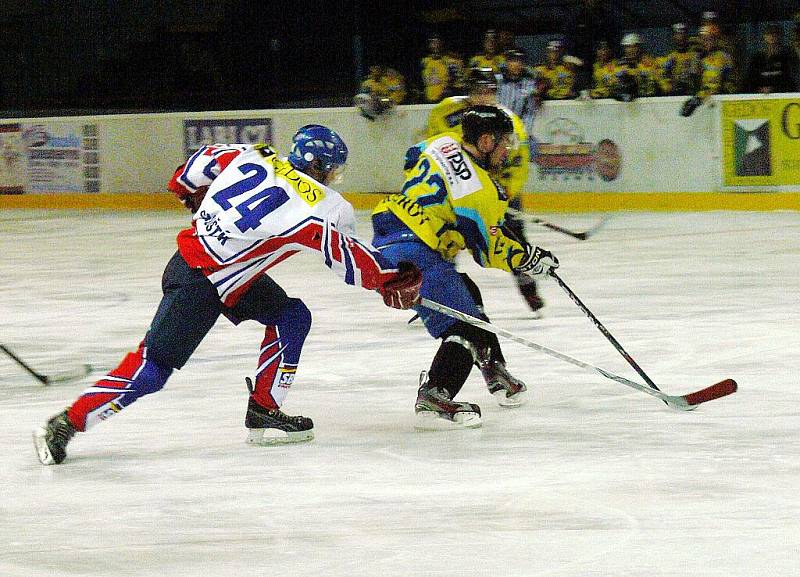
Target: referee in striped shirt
x: 517, y: 90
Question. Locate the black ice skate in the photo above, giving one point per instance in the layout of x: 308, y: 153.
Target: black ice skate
x: 507, y: 389
x: 273, y: 426
x: 52, y: 438
x: 436, y: 410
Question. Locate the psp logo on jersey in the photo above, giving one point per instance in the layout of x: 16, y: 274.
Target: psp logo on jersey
x: 458, y: 164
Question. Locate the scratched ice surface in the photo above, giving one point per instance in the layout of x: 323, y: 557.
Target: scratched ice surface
x: 589, y: 478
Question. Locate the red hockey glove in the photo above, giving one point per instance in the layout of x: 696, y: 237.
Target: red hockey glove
x: 402, y: 290
x: 192, y: 200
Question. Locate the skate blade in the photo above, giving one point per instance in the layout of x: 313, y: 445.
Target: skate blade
x: 516, y: 400
x: 42, y: 450
x: 268, y: 437
x: 432, y: 421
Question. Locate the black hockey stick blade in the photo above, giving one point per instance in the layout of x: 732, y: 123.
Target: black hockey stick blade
x: 38, y: 376
x: 69, y: 376
x: 580, y: 235
x: 65, y: 377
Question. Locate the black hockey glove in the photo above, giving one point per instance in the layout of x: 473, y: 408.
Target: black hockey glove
x: 537, y: 261
x: 690, y: 106
x: 402, y: 290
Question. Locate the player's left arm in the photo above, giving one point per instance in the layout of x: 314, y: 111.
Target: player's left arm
x: 360, y: 264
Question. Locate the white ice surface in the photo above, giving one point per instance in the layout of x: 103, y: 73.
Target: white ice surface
x: 590, y: 478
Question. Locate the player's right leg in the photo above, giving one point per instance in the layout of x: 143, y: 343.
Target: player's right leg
x: 287, y: 323
x: 506, y: 388
x: 435, y: 406
x: 188, y: 310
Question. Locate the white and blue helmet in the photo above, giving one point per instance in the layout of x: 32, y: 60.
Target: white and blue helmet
x: 316, y: 142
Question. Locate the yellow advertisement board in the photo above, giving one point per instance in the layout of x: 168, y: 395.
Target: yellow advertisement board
x: 761, y: 142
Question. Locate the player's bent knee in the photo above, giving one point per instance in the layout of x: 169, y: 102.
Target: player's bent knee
x: 297, y: 313
x: 150, y: 379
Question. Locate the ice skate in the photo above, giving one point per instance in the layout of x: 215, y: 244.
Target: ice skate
x: 52, y: 438
x: 274, y: 427
x: 507, y: 389
x: 437, y: 411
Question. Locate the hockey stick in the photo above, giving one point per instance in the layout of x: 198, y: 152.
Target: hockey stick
x: 603, y: 330
x: 579, y: 235
x: 74, y: 375
x: 686, y: 402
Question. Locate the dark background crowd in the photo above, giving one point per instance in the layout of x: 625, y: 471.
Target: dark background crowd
x: 93, y: 55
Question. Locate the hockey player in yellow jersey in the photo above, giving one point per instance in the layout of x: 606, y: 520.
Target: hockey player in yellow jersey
x: 446, y: 117
x: 436, y: 72
x: 555, y: 77
x: 678, y: 67
x: 491, y: 56
x: 604, y: 73
x: 450, y: 203
x: 384, y: 88
x: 638, y: 74
x: 715, y: 75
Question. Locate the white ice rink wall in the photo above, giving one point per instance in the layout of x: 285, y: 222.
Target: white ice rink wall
x: 593, y: 155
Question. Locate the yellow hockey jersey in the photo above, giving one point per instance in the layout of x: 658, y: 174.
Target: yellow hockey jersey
x: 496, y: 62
x: 716, y: 74
x: 677, y: 70
x: 450, y: 203
x: 605, y: 82
x: 559, y: 81
x: 446, y: 117
x: 435, y: 77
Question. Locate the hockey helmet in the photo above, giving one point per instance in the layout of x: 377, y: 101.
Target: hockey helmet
x: 316, y: 142
x: 631, y: 39
x: 710, y: 30
x: 480, y: 120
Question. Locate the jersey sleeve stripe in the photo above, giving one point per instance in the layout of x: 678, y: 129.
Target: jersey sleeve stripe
x: 184, y: 177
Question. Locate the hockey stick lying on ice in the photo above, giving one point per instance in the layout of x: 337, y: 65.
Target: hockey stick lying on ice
x: 579, y: 235
x: 681, y: 402
x: 73, y: 375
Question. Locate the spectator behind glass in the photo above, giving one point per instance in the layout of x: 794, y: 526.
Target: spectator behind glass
x: 771, y: 69
x: 380, y: 91
x: 490, y: 58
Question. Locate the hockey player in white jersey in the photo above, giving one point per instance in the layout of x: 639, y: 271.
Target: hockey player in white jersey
x: 252, y: 210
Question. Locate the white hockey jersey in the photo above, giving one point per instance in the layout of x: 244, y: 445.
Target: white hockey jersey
x: 259, y: 211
